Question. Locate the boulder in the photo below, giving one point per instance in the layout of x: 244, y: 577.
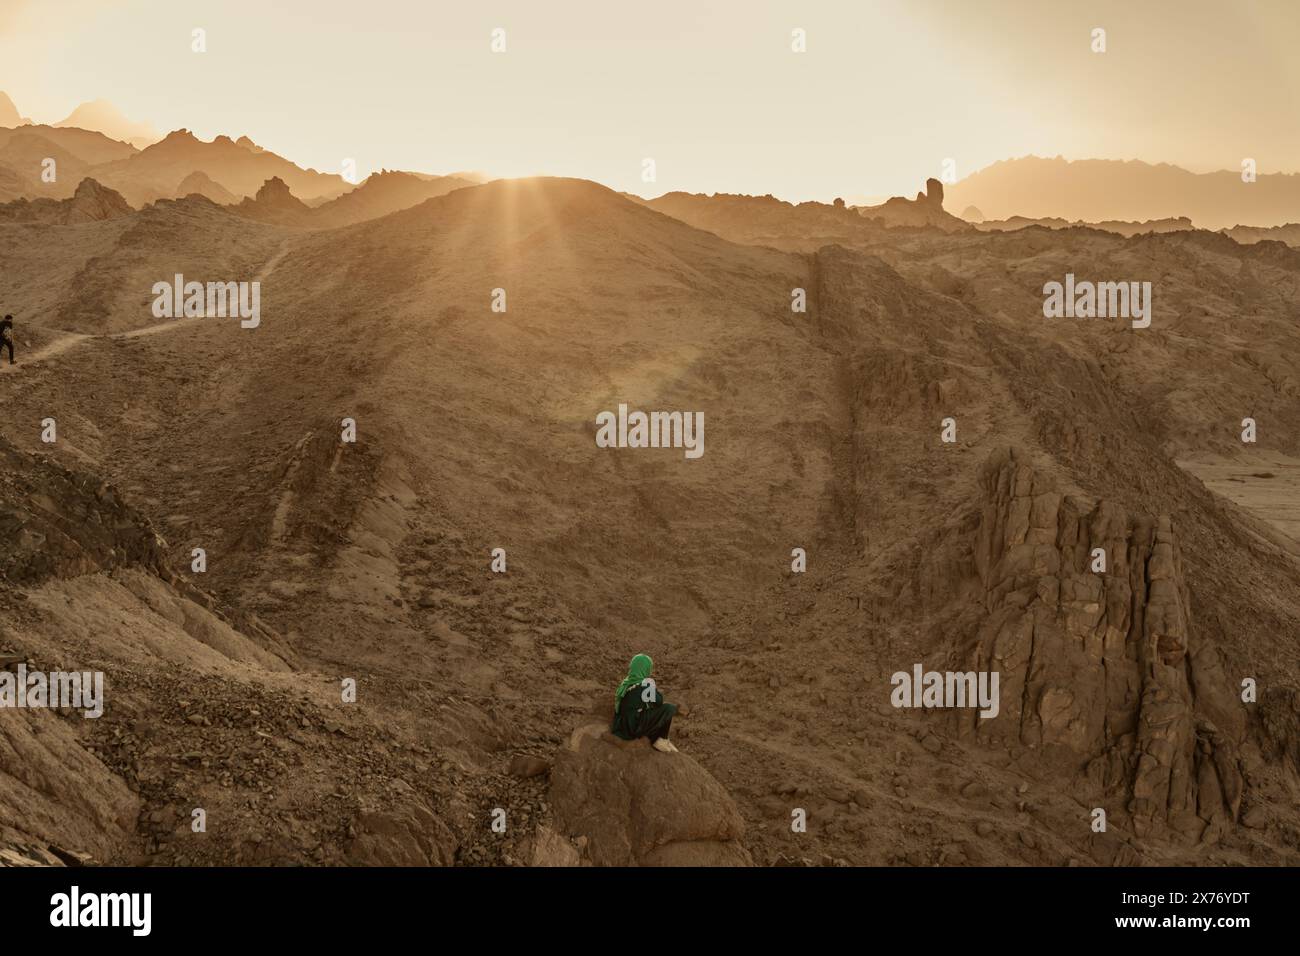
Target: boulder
x: 639, y: 807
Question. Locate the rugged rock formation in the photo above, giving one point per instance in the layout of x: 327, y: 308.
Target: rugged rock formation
x: 925, y: 210
x: 275, y: 203
x: 54, y: 792
x: 1102, y: 670
x: 55, y: 522
x: 92, y: 202
x: 762, y: 219
x: 933, y: 193
x: 636, y: 806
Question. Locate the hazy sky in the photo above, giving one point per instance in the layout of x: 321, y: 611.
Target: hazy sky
x: 711, y: 90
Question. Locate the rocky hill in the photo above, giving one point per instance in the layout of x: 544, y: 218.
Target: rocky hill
x: 329, y: 559
x: 90, y: 203
x: 200, y: 183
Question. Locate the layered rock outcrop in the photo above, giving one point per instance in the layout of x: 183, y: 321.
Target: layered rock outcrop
x: 1102, y: 668
x: 59, y: 523
x: 55, y: 522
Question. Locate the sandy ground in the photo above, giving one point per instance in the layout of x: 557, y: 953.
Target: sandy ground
x: 1266, y: 484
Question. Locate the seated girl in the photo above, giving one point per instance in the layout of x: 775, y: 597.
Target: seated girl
x: 640, y: 711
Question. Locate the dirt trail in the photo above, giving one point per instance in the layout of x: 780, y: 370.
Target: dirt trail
x: 69, y: 339
x: 272, y: 262
x: 60, y: 345
x: 153, y: 329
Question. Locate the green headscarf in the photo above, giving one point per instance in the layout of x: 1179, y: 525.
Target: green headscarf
x: 637, y: 671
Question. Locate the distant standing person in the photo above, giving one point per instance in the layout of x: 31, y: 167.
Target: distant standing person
x: 639, y: 708
x: 7, y: 336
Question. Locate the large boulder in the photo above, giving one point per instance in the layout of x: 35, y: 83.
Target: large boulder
x: 639, y: 807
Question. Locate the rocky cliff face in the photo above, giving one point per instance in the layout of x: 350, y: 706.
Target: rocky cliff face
x: 55, y: 522
x: 1102, y: 669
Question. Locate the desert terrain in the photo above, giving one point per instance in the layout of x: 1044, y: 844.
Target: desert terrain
x: 372, y: 560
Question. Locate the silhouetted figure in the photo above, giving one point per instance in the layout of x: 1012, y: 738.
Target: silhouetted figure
x: 7, y: 336
x: 637, y: 716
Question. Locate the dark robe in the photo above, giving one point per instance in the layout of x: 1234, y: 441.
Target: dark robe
x: 635, y: 718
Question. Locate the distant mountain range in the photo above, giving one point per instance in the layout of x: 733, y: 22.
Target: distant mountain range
x: 380, y: 194
x: 98, y: 116
x: 1289, y: 234
x: 1096, y: 190
x: 9, y: 116
x: 96, y: 141
x: 239, y: 166
x: 103, y: 117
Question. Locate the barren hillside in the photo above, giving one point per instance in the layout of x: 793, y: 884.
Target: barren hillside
x: 476, y: 431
